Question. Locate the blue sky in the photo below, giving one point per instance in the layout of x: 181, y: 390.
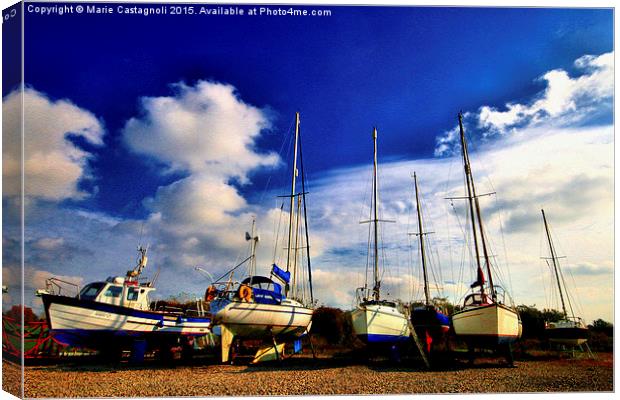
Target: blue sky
x: 406, y: 70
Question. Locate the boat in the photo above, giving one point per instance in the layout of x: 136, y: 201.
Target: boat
x: 108, y: 315
x: 487, y: 317
x: 569, y: 330
x: 377, y: 321
x: 429, y: 319
x: 272, y: 309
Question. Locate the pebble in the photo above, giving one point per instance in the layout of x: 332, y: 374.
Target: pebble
x: 305, y: 376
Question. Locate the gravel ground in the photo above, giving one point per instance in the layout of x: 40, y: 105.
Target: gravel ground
x: 300, y: 376
x: 11, y: 378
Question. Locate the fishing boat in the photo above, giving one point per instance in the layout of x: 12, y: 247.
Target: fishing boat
x: 569, y: 330
x: 429, y: 319
x: 377, y: 321
x: 487, y: 317
x: 275, y: 308
x: 106, y: 315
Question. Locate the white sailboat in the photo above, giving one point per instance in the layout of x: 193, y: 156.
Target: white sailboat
x: 268, y: 308
x: 487, y: 318
x: 377, y: 321
x: 569, y: 330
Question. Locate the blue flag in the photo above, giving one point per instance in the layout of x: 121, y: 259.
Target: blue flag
x: 284, y: 276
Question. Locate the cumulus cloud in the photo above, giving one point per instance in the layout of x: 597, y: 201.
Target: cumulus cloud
x: 53, y: 165
x: 209, y: 133
x: 565, y: 101
x: 205, y: 127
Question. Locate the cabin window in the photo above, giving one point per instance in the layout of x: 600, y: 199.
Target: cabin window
x: 132, y: 294
x: 114, y: 291
x: 90, y: 291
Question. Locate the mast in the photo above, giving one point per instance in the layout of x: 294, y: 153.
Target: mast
x: 296, y: 256
x: 421, y: 233
x: 473, y: 202
x: 554, y: 259
x: 290, y: 224
x: 303, y: 196
x: 253, y: 239
x: 375, y: 220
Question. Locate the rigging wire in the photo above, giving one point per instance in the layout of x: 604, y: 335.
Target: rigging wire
x: 501, y: 229
x: 289, y: 141
x: 448, y: 223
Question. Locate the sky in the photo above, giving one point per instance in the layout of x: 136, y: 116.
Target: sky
x: 175, y: 131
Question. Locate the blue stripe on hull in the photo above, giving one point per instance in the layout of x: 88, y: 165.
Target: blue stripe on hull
x: 95, y: 339
x: 383, y: 339
x: 91, y: 338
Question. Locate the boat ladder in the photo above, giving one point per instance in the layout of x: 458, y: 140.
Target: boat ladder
x: 416, y: 340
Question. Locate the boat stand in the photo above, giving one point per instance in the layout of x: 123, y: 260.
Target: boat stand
x: 311, y: 346
x: 571, y: 350
x: 275, y: 348
x: 590, y: 354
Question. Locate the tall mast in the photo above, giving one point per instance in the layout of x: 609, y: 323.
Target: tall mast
x: 427, y: 294
x: 296, y: 256
x: 303, y: 196
x: 375, y: 220
x: 473, y: 202
x: 292, y: 212
x: 253, y: 238
x: 554, y: 259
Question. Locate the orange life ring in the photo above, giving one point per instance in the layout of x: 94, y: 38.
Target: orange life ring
x: 245, y: 293
x: 210, y: 293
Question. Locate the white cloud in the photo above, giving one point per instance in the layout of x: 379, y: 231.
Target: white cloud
x: 48, y: 243
x: 53, y: 166
x: 197, y: 202
x: 208, y: 132
x: 205, y: 127
x: 565, y: 101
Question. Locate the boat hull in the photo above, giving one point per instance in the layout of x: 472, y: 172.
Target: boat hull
x: 567, y: 332
x: 258, y: 321
x: 487, y: 325
x: 431, y: 320
x: 92, y: 324
x: 377, y: 324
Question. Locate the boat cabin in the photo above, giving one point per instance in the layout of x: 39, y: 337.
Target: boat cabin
x: 119, y: 292
x: 477, y: 299
x: 385, y: 303
x: 264, y: 290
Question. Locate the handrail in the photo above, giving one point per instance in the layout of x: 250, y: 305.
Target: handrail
x: 50, y: 283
